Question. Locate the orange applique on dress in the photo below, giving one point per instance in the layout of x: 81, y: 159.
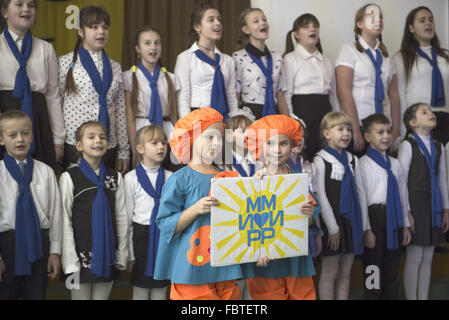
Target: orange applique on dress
x: 199, y: 254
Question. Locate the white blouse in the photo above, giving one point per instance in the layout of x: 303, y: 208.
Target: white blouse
x: 418, y: 88
x: 42, y: 70
x: 364, y: 83
x: 375, y: 186
x: 196, y: 78
x: 307, y: 73
x: 250, y: 80
x: 84, y: 106
x: 139, y: 205
x: 46, y: 197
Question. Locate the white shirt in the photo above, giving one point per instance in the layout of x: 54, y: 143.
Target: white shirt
x: 251, y: 83
x: 405, y: 159
x: 42, y: 70
x: 364, y: 83
x: 418, y: 89
x: 69, y: 260
x: 338, y: 171
x: 139, y: 204
x: 84, y: 106
x: 144, y: 97
x: 307, y: 73
x: 46, y: 197
x: 310, y: 169
x: 375, y: 186
x: 245, y: 162
x: 196, y: 78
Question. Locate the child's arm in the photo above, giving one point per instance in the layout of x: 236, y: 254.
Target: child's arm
x: 203, y: 206
x: 444, y: 190
x: 121, y: 220
x: 289, y: 70
x: 395, y: 107
x: 402, y: 86
x: 121, y: 125
x: 130, y: 116
x: 130, y: 193
x: 230, y: 88
x: 405, y: 159
x: 70, y: 261
x: 182, y: 71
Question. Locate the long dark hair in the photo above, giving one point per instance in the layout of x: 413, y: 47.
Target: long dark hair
x: 301, y: 22
x: 195, y: 19
x: 410, y: 43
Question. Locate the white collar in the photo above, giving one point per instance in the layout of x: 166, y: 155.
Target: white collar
x: 330, y: 158
x: 24, y: 161
x: 365, y: 45
x: 248, y: 158
x: 306, y: 54
x: 151, y: 169
x: 195, y: 47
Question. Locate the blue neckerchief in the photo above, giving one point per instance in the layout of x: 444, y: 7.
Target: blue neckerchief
x: 28, y: 241
x: 395, y: 219
x: 379, y: 91
x: 101, y: 85
x: 103, y: 242
x: 269, y: 107
x: 241, y: 171
x: 349, y: 200
x: 297, y: 165
x: 436, y: 201
x: 22, y: 85
x: 153, y: 232
x: 438, y: 98
x: 219, y: 100
x: 155, y: 114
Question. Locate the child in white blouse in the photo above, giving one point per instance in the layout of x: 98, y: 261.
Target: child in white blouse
x: 140, y: 204
x: 42, y: 72
x: 309, y: 79
x: 199, y: 85
x: 91, y: 88
x: 251, y: 78
x: 415, y: 71
x: 423, y: 162
x: 143, y: 107
x: 366, y: 77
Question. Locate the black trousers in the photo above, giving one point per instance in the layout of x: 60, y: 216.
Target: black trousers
x: 387, y: 261
x: 32, y: 287
x: 71, y: 155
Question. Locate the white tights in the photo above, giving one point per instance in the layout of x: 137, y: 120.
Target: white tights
x: 152, y: 294
x: 335, y: 277
x: 417, y: 272
x: 92, y: 291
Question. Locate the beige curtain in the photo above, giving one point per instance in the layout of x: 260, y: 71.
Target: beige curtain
x: 171, y: 18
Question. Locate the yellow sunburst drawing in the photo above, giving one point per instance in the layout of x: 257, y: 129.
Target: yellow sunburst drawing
x: 258, y: 218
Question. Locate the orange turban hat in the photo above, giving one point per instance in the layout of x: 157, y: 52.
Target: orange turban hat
x: 263, y: 129
x: 189, y: 128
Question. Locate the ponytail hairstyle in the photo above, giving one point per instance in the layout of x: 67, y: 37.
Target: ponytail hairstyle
x: 243, y: 37
x: 410, y: 43
x: 301, y: 22
x: 360, y: 14
x: 89, y: 16
x: 195, y: 19
x: 173, y: 109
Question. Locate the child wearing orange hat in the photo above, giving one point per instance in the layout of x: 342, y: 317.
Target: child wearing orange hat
x: 184, y: 214
x: 271, y: 140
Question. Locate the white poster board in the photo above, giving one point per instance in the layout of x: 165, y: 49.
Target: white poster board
x: 257, y: 218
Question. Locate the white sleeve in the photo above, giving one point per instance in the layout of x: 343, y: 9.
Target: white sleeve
x: 238, y: 73
x: 182, y: 71
x: 405, y: 159
x: 288, y: 74
x: 442, y: 180
x: 333, y: 96
x: 69, y: 258
x: 361, y: 190
x: 403, y: 191
x: 345, y: 57
x: 56, y: 214
x: 127, y: 79
x: 230, y: 87
x: 130, y: 205
x: 121, y: 220
x: 326, y: 210
x: 402, y: 86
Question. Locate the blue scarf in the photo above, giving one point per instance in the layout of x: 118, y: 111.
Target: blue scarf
x: 241, y: 171
x: 379, y: 92
x: 155, y: 115
x: 438, y: 98
x: 103, y: 243
x: 436, y: 201
x: 297, y: 166
x: 28, y: 241
x: 394, y: 207
x: 349, y: 200
x: 153, y: 232
x: 219, y: 100
x: 22, y: 85
x: 269, y: 107
x: 101, y: 86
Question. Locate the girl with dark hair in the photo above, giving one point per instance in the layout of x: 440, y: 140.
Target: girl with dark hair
x: 91, y: 88
x: 207, y: 76
x: 366, y: 77
x: 423, y: 69
x: 309, y: 78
